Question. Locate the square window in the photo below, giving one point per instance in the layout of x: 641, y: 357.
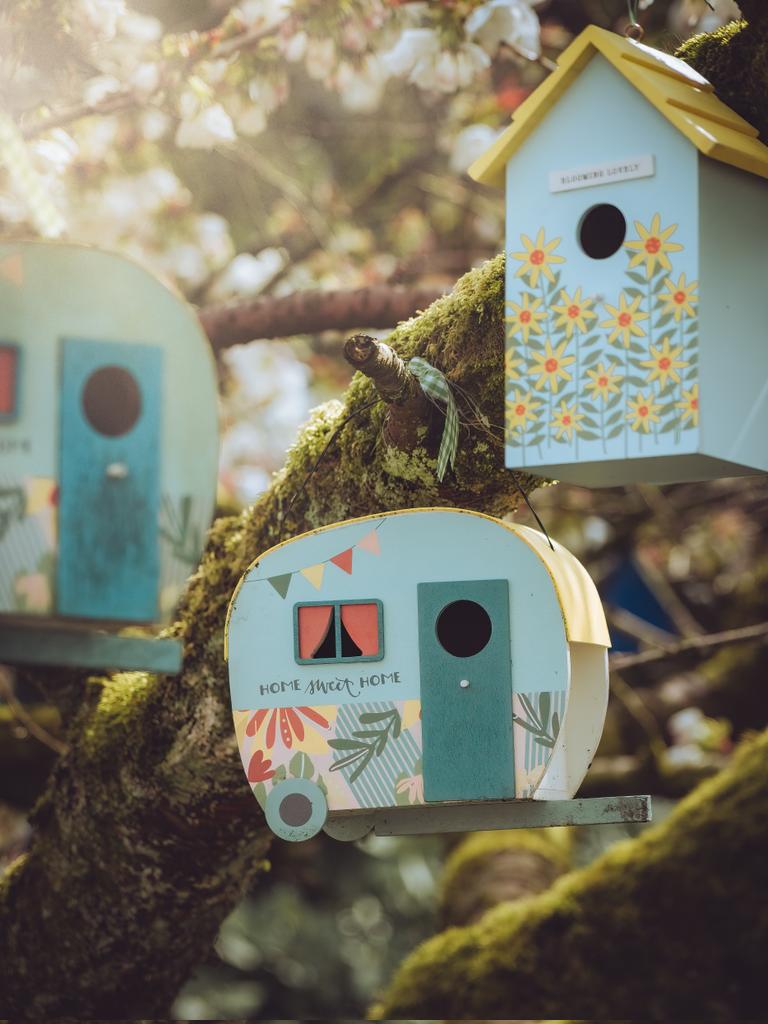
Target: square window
x: 9, y: 375
x: 338, y: 631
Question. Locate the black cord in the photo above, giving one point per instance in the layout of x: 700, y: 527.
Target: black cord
x: 533, y: 511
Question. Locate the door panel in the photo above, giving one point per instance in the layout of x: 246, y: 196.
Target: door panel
x: 109, y: 478
x: 466, y: 690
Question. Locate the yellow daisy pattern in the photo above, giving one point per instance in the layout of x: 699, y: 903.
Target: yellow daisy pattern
x: 664, y: 364
x: 537, y: 258
x: 512, y: 362
x: 573, y: 313
x: 689, y: 405
x: 680, y: 298
x: 653, y: 246
x: 550, y: 366
x: 603, y: 383
x: 566, y: 421
x: 642, y: 412
x: 521, y: 409
x: 624, y: 320
x: 525, y: 317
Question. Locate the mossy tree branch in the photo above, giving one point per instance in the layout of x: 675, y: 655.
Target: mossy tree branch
x: 147, y: 833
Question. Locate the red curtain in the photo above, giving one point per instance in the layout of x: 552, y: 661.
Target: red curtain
x: 314, y: 620
x: 7, y: 379
x: 362, y: 623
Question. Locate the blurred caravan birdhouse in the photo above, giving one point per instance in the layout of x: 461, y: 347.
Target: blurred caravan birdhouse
x: 108, y: 451
x: 418, y: 671
x: 636, y: 258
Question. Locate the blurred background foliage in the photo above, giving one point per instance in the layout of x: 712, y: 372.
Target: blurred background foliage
x: 251, y: 152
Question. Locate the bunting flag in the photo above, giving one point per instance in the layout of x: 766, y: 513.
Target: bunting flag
x: 281, y: 583
x: 315, y: 574
x: 370, y: 543
x: 12, y: 269
x: 344, y: 560
x: 14, y: 155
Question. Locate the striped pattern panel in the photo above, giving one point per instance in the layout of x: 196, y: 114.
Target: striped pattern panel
x: 375, y: 786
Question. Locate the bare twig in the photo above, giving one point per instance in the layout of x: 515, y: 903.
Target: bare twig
x: 693, y: 643
x: 21, y: 714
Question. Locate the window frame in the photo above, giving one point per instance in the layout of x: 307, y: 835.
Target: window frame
x: 337, y: 605
x: 13, y: 413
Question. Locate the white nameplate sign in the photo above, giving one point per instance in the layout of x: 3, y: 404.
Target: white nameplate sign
x: 602, y: 174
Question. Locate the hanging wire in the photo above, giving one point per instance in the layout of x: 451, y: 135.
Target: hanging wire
x: 634, y: 29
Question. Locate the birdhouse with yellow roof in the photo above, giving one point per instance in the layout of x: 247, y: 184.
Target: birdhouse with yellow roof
x: 636, y: 256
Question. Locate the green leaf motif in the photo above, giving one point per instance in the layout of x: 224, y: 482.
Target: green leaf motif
x: 614, y: 433
x: 301, y: 766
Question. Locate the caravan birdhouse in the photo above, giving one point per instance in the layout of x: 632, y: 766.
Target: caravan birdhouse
x: 636, y: 255
x: 108, y: 435
x: 403, y: 662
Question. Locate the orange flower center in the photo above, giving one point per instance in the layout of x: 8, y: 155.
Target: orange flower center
x: 566, y: 421
x: 664, y: 363
x: 643, y: 411
x: 551, y: 365
x: 520, y: 410
x: 537, y: 257
x: 602, y: 382
x: 525, y: 317
x: 694, y: 403
x: 624, y: 319
x: 652, y: 245
x: 680, y: 298
x: 573, y: 312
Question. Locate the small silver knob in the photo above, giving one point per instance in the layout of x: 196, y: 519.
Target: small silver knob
x: 464, y: 683
x: 117, y: 471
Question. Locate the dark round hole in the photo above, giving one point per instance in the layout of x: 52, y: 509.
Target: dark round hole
x: 111, y: 400
x: 295, y: 809
x: 464, y: 628
x: 602, y: 231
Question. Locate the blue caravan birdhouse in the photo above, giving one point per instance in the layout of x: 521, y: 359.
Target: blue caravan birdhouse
x: 388, y: 670
x: 108, y: 435
x: 636, y: 256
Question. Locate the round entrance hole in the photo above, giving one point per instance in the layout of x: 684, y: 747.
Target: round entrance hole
x: 464, y: 628
x: 602, y: 231
x: 295, y: 809
x: 111, y: 400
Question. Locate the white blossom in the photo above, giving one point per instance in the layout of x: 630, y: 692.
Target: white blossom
x: 58, y: 151
x: 215, y: 240
x: 505, y: 21
x: 211, y: 126
x: 154, y: 125
x: 293, y: 46
x: 145, y: 79
x: 361, y: 88
x: 451, y: 70
x: 414, y: 45
x: 97, y: 89
x: 248, y: 274
x: 320, y: 58
x: 96, y: 17
x: 263, y: 15
x: 470, y: 143
x: 187, y: 264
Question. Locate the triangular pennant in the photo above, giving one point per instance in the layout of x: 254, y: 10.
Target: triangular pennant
x: 314, y: 573
x: 344, y: 560
x: 370, y: 542
x: 12, y: 269
x: 281, y: 583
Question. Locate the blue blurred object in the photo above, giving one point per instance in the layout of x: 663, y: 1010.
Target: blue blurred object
x: 626, y: 588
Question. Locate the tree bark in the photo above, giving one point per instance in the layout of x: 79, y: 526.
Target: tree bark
x: 670, y: 926
x: 314, y: 311
x: 147, y: 834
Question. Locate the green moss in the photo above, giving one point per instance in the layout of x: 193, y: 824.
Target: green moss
x: 668, y: 923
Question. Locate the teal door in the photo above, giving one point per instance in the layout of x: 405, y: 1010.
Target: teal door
x: 466, y: 690
x: 109, y: 481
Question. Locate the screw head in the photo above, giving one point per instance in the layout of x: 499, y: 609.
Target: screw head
x: 464, y: 683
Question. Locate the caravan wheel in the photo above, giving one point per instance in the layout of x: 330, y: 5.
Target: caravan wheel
x: 296, y: 809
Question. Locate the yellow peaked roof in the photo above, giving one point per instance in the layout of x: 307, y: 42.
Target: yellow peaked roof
x: 678, y: 92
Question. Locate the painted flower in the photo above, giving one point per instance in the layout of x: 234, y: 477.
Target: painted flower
x: 550, y: 366
x: 537, y: 258
x: 511, y: 363
x: 259, y: 768
x: 574, y: 312
x: 288, y: 719
x: 413, y: 785
x: 525, y: 318
x: 565, y: 421
x: 623, y: 322
x: 690, y: 405
x: 652, y: 246
x: 520, y: 409
x: 680, y: 298
x: 643, y: 412
x: 664, y: 364
x: 603, y: 383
